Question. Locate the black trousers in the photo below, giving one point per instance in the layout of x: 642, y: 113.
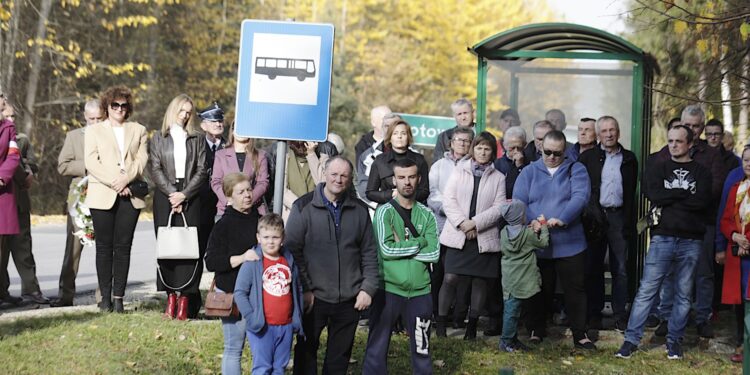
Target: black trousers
x: 571, y: 271
x: 341, y: 319
x: 114, y: 230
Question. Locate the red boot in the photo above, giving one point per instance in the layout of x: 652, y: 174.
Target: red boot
x: 171, y: 305
x: 182, y: 308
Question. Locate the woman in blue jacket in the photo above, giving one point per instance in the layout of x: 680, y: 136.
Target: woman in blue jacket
x: 556, y: 189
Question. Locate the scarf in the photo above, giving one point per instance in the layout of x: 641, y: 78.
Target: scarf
x: 743, y: 202
x: 478, y: 169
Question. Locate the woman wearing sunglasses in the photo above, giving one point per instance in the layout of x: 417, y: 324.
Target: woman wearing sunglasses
x: 115, y: 157
x: 177, y: 167
x: 555, y: 189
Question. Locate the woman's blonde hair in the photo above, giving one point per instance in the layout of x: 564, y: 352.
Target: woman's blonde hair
x: 170, y: 117
x: 230, y: 181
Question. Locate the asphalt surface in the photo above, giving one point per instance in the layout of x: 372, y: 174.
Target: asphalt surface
x: 49, y: 249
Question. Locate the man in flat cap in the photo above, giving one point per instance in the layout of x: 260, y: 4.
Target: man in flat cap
x: 212, y: 123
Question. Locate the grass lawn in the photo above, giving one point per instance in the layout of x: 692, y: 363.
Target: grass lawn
x: 142, y: 343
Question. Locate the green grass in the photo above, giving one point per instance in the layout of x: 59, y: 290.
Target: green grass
x: 143, y: 343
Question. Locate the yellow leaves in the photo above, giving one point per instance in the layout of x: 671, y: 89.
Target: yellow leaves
x: 745, y: 31
x: 20, y: 54
x: 680, y: 27
x: 130, y: 21
x: 702, y: 45
x: 73, y: 3
x: 128, y: 68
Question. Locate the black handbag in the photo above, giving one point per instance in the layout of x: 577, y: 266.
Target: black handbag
x: 594, y: 222
x: 138, y: 188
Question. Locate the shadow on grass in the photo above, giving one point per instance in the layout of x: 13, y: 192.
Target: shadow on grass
x: 19, y: 326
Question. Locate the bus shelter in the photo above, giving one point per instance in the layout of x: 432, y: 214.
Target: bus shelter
x: 580, y: 70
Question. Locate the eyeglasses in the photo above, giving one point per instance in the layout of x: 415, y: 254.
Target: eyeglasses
x: 719, y: 134
x: 122, y: 106
x: 553, y: 153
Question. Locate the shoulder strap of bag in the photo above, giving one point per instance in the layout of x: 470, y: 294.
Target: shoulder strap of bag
x: 158, y: 269
x: 405, y: 218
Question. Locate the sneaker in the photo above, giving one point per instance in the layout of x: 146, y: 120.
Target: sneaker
x: 705, y: 330
x: 674, y: 350
x: 652, y: 322
x: 36, y: 297
x: 584, y: 343
x: 621, y: 325
x: 663, y: 328
x: 513, y: 346
x: 626, y: 350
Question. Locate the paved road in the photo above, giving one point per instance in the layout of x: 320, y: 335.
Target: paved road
x: 49, y: 248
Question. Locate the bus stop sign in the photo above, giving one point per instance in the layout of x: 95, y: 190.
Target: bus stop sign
x: 284, y: 80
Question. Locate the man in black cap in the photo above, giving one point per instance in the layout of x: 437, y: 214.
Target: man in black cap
x: 212, y: 123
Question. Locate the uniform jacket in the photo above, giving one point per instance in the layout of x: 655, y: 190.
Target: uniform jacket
x: 161, y: 164
x: 334, y: 267
x: 102, y: 160
x: 404, y: 259
x: 457, y: 205
x: 225, y: 162
x: 248, y: 293
x: 10, y: 157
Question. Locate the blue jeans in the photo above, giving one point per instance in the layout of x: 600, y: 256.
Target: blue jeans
x: 271, y: 349
x: 665, y: 253
x: 234, y: 343
x: 511, y: 313
x: 704, y: 283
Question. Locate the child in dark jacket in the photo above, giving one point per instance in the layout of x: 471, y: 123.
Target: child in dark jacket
x: 268, y: 293
x: 521, y: 277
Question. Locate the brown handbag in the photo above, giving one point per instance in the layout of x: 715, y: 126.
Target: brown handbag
x: 220, y: 305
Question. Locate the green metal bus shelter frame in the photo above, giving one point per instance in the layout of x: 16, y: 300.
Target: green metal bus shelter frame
x: 571, y: 41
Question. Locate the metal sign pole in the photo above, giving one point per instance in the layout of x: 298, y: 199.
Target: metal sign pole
x: 278, y: 186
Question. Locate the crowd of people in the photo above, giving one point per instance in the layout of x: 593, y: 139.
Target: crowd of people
x: 490, y: 228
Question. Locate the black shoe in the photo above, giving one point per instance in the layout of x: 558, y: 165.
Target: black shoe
x: 663, y: 329
x: 440, y: 326
x: 705, y: 330
x: 584, y: 343
x: 119, y: 307
x: 652, y: 321
x: 36, y: 297
x: 626, y: 350
x: 105, y: 305
x: 471, y: 329
x: 60, y: 302
x: 13, y: 300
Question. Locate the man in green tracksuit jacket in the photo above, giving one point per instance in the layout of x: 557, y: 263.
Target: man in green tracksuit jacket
x: 405, y: 249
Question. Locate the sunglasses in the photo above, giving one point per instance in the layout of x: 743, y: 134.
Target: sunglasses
x: 553, y: 153
x: 115, y: 106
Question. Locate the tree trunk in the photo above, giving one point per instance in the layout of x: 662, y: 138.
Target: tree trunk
x: 12, y: 45
x: 726, y: 96
x: 742, y: 127
x: 36, y: 66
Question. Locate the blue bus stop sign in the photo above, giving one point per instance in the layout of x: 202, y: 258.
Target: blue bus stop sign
x: 284, y: 80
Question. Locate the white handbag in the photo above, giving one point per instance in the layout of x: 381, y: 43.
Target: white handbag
x: 177, y: 242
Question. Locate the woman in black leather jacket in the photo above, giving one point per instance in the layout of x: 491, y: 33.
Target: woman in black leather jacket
x: 380, y: 186
x: 177, y: 168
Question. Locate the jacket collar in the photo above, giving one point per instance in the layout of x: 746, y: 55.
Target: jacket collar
x: 317, y: 200
x: 284, y: 252
x: 566, y: 164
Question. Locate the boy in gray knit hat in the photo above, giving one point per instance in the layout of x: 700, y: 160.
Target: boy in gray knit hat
x: 521, y: 277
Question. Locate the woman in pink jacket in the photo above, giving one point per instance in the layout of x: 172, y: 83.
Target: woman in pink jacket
x: 471, y: 232
x: 240, y: 157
